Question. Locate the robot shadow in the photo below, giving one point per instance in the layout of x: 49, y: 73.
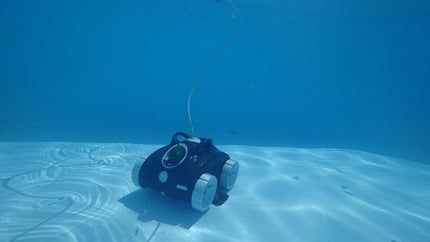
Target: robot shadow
x: 153, y: 206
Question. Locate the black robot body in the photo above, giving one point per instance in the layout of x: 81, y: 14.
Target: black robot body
x: 191, y: 169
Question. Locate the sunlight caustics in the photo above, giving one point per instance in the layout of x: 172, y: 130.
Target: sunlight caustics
x: 81, y: 191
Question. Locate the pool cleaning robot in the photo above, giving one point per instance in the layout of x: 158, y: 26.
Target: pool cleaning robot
x: 191, y: 169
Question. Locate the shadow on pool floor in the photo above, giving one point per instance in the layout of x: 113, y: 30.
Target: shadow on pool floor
x: 153, y: 206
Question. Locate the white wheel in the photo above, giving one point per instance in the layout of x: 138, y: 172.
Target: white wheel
x: 136, y: 170
x: 229, y: 173
x: 204, y: 192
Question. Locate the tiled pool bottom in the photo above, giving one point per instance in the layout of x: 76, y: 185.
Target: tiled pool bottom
x: 84, y: 192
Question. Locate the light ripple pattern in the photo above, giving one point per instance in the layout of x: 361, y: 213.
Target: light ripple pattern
x: 84, y: 192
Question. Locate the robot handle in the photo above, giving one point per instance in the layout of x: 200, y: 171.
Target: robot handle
x: 175, y: 137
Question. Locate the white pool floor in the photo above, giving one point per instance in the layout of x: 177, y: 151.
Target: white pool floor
x: 84, y: 192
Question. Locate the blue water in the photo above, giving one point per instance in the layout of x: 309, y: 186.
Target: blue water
x: 344, y: 74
